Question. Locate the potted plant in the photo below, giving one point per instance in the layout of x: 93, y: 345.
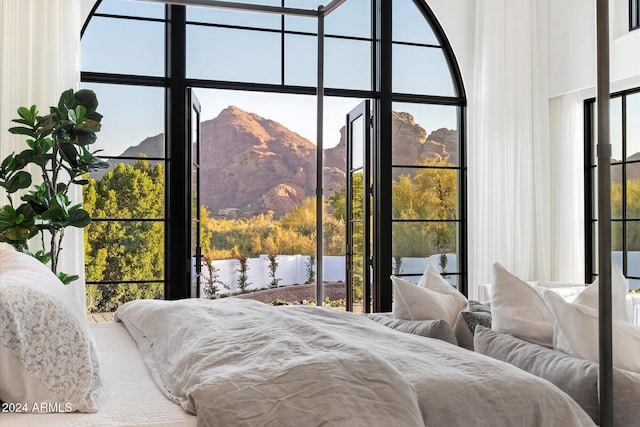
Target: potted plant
x: 58, y: 149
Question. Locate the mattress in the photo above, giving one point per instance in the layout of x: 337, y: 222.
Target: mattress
x: 129, y: 396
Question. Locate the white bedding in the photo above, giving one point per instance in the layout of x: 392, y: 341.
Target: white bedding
x: 129, y: 397
x: 243, y: 363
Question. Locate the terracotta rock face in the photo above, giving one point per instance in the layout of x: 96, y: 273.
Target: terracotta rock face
x: 250, y: 164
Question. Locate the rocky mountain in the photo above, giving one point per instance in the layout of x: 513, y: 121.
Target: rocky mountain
x: 250, y: 164
x: 633, y: 169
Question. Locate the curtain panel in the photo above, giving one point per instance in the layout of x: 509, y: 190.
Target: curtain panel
x: 39, y: 46
x: 509, y: 157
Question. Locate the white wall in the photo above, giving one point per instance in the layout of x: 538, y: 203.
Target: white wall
x: 571, y: 42
x: 572, y: 47
x: 457, y: 18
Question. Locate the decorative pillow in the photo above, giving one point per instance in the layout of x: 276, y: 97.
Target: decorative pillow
x: 431, y: 279
x: 435, y: 301
x: 47, y: 354
x: 579, y: 325
x: 438, y: 329
x: 466, y: 323
x: 519, y: 309
x: 589, y: 297
x: 576, y: 377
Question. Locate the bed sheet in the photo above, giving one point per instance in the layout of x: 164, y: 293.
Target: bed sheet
x: 129, y: 397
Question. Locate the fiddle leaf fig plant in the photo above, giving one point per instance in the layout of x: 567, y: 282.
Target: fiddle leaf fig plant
x: 58, y: 152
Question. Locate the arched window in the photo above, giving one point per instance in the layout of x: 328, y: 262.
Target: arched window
x: 255, y: 75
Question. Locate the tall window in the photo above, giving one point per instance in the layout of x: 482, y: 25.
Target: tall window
x: 123, y: 63
x: 634, y: 15
x: 255, y: 77
x: 625, y: 185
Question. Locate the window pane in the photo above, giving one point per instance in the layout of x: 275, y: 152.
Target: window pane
x: 352, y: 18
x: 300, y: 72
x: 131, y: 189
x: 125, y: 250
x: 633, y: 191
x: 633, y: 240
x: 616, y: 191
x: 123, y: 46
x: 409, y: 24
x: 347, y: 64
x: 417, y: 243
x: 236, y: 17
x: 131, y: 8
x: 247, y: 56
x: 103, y: 298
x: 424, y: 193
x: 421, y: 70
x: 422, y: 132
x: 301, y: 23
x: 633, y: 127
x: 615, y: 114
x: 133, y: 121
x: 616, y: 236
x: 357, y: 143
x: 358, y: 246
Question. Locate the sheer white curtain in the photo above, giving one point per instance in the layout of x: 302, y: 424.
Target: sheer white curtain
x: 39, y: 46
x: 566, y: 120
x: 509, y: 168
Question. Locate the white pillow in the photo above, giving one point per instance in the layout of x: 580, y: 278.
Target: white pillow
x: 579, y: 326
x: 436, y: 299
x: 589, y: 297
x: 519, y: 309
x: 47, y: 354
x: 431, y: 279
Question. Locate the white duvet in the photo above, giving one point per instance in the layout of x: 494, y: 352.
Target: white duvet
x: 235, y: 362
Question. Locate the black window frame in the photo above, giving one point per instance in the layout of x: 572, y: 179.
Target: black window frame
x: 177, y: 171
x: 590, y: 171
x: 634, y: 15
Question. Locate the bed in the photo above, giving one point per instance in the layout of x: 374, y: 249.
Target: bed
x: 129, y: 397
x: 235, y: 362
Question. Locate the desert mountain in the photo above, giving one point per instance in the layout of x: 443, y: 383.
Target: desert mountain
x: 250, y: 164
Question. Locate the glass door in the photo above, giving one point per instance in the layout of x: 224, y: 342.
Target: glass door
x: 194, y: 143
x: 359, y: 219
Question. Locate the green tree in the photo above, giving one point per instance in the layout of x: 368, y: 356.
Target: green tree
x: 633, y: 212
x: 125, y: 250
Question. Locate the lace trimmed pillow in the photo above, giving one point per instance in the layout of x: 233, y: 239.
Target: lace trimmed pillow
x: 47, y: 355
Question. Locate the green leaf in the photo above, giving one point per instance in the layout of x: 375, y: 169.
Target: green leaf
x: 79, y: 218
x: 26, y: 114
x: 72, y: 116
x: 42, y: 256
x: 70, y: 154
x: 88, y: 99
x: 90, y: 126
x: 19, y: 130
x: 84, y: 137
x: 54, y: 215
x: 66, y: 278
x: 81, y: 112
x: 47, y: 123
x: 23, y: 122
x: 6, y: 162
x: 16, y: 233
x: 18, y: 181
x: 67, y: 101
x: 7, y: 216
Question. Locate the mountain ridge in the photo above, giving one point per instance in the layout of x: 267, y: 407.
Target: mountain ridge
x: 250, y: 164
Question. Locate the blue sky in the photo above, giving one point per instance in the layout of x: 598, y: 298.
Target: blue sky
x: 137, y: 47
